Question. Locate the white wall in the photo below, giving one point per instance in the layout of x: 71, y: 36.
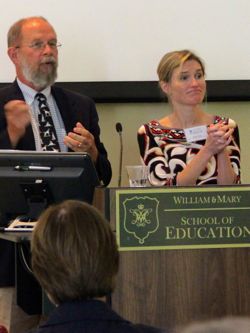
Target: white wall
x: 124, y: 40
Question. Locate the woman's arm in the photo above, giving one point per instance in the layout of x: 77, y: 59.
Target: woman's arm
x: 216, y: 146
x: 152, y: 156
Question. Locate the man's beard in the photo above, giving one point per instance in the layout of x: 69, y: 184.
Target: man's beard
x: 37, y: 76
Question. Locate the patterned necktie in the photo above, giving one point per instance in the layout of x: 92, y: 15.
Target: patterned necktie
x: 46, y: 126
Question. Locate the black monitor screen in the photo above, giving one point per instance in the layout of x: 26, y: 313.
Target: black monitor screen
x: 31, y: 181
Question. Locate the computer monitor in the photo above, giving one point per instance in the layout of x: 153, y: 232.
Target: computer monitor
x: 30, y: 181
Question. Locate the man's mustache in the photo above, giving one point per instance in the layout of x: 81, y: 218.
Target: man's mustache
x: 48, y: 60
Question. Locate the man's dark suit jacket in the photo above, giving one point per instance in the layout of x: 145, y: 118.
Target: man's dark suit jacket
x: 73, y: 108
x: 90, y: 316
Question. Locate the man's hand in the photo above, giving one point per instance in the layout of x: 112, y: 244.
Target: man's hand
x: 81, y: 140
x: 18, y: 118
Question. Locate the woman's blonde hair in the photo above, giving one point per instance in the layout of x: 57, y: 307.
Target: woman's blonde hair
x: 172, y: 60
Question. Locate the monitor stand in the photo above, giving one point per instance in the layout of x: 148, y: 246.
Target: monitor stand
x: 38, y: 197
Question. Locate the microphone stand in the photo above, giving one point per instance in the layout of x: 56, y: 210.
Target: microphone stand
x: 119, y: 131
x: 120, y: 164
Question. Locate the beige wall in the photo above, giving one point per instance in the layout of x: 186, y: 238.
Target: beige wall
x: 133, y: 115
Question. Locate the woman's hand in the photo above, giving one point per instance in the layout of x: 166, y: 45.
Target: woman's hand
x: 219, y: 136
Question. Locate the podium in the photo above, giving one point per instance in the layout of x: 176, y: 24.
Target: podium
x: 174, y: 285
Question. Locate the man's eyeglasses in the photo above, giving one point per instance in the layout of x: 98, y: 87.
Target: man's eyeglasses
x: 39, y: 45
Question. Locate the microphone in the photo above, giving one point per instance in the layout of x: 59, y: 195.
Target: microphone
x: 118, y: 127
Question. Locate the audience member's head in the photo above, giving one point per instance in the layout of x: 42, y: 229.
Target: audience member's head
x: 74, y: 252
x: 223, y: 325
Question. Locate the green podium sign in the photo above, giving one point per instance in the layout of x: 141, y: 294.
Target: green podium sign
x: 183, y: 218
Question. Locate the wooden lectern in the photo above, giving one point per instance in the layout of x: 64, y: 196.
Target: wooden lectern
x: 172, y: 287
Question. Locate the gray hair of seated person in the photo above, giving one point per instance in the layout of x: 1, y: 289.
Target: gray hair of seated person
x: 74, y: 252
x: 223, y: 325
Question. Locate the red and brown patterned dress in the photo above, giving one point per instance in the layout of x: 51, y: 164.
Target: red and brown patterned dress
x: 167, y: 152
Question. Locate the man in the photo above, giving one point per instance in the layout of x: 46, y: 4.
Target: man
x: 73, y: 120
x: 75, y: 259
x: 33, y: 49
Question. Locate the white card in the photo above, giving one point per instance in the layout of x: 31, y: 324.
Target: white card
x: 196, y: 133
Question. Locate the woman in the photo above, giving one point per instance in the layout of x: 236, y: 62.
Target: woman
x: 189, y: 146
